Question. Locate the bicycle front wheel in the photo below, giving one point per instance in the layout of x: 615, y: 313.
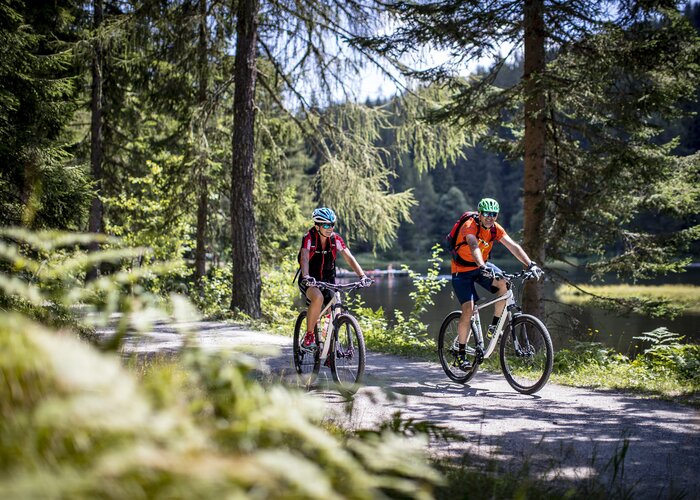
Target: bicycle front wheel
x: 448, y: 348
x: 527, y: 355
x: 307, y: 361
x: 347, y: 354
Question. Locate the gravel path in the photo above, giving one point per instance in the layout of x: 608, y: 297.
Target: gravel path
x: 560, y: 431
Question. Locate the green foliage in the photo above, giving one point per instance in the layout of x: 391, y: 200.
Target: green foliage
x: 279, y: 294
x: 612, y: 90
x: 41, y: 185
x: 626, y: 176
x: 585, y: 355
x: 212, y: 296
x: 423, y: 297
x: 149, y: 216
x: 212, y: 431
x: 408, y: 335
x: 42, y: 273
x: 668, y: 355
x: 74, y: 423
x: 371, y: 210
x: 651, y: 300
x: 283, y: 192
x: 432, y: 143
x: 668, y: 368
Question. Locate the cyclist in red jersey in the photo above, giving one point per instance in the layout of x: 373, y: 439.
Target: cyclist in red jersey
x: 319, y: 249
x: 475, y: 240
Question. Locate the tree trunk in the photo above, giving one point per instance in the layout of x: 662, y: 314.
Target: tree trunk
x: 535, y: 138
x: 96, y: 145
x: 246, y: 255
x: 202, y: 153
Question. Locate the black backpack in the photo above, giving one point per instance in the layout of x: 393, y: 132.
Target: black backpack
x: 451, y: 237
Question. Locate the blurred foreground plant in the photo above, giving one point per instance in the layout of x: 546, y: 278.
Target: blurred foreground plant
x: 74, y: 423
x: 42, y: 274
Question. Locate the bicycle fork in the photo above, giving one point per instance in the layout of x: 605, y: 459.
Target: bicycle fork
x: 476, y: 326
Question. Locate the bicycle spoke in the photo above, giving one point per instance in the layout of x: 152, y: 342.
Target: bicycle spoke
x: 448, y: 349
x: 306, y: 360
x: 348, y: 361
x: 526, y: 354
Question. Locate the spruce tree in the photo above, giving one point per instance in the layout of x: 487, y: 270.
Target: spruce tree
x: 40, y: 185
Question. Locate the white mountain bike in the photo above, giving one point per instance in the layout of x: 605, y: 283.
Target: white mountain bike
x: 526, y: 352
x: 339, y: 342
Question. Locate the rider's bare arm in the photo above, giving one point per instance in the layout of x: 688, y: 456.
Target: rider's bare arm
x: 304, y: 262
x: 347, y: 255
x: 516, y: 250
x: 476, y: 251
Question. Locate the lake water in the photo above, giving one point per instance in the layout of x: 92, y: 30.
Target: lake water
x: 564, y: 322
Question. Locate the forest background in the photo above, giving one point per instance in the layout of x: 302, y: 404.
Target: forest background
x: 140, y: 121
x: 150, y: 150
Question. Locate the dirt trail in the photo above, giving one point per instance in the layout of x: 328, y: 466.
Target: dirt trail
x: 561, y: 430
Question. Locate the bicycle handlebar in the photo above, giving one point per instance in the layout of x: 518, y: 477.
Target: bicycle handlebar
x: 525, y: 275
x: 340, y: 287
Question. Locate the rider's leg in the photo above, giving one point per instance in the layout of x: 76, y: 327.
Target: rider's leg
x: 500, y: 290
x: 463, y: 286
x: 314, y: 311
x: 463, y: 328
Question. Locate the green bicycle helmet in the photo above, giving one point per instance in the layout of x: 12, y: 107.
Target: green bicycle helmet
x: 489, y: 205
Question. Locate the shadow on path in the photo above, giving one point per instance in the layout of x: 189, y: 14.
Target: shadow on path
x: 562, y: 431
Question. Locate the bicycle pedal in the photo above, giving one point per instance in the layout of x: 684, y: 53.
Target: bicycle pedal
x: 479, y: 356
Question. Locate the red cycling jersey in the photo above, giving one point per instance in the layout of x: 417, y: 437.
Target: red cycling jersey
x: 322, y: 256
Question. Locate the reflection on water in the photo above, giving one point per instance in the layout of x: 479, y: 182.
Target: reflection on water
x: 564, y: 322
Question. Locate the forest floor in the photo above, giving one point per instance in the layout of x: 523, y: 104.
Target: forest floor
x: 565, y: 432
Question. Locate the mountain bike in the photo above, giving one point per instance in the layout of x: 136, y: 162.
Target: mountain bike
x: 526, y: 352
x: 339, y: 342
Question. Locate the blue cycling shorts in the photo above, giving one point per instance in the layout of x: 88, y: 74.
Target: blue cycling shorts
x: 463, y: 283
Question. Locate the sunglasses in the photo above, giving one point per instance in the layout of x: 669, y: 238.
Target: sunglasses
x: 327, y: 226
x: 490, y: 214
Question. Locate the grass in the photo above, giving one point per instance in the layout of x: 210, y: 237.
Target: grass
x: 687, y: 296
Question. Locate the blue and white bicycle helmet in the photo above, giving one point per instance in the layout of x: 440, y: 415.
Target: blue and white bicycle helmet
x: 324, y: 215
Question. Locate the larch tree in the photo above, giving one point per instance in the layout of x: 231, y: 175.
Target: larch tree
x: 306, y: 62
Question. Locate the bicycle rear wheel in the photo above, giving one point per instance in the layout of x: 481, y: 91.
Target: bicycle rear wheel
x: 347, y: 354
x: 527, y: 354
x: 448, y: 348
x: 307, y: 361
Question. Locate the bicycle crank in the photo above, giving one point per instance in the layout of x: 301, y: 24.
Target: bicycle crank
x: 479, y: 355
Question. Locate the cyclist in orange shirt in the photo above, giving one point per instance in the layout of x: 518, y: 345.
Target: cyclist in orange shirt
x: 475, y: 240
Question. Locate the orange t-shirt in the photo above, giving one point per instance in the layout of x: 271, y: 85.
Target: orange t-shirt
x: 483, y: 236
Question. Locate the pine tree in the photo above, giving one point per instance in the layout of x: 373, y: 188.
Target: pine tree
x: 95, y: 221
x: 245, y: 253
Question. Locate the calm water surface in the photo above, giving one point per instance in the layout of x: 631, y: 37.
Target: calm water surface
x: 564, y: 322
